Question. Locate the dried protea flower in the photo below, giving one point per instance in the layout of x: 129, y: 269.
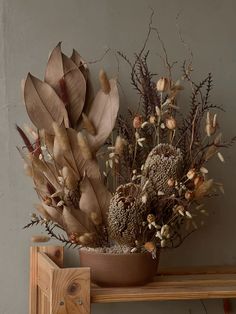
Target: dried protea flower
x: 137, y: 121
x: 163, y: 162
x: 126, y: 214
x: 88, y: 125
x: 104, y: 82
x: 163, y: 84
x: 171, y: 123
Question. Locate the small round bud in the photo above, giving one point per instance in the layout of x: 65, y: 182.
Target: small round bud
x: 191, y: 174
x: 152, y: 119
x: 171, y: 123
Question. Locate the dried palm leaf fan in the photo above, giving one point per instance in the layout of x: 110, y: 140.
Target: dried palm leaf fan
x: 62, y: 159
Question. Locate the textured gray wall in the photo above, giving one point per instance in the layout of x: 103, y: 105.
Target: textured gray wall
x: 28, y: 30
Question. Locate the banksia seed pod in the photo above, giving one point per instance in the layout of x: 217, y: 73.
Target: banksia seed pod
x: 126, y: 214
x: 163, y: 84
x: 137, y: 122
x: 163, y: 162
x: 171, y: 123
x: 104, y: 82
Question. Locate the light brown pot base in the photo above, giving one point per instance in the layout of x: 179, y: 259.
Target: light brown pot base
x: 119, y: 270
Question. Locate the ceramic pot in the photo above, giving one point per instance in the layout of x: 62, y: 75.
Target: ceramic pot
x: 119, y: 270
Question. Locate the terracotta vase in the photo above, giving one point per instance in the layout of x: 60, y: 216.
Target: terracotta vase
x: 119, y: 270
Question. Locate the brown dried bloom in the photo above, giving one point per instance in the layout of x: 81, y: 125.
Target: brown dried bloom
x: 126, y: 214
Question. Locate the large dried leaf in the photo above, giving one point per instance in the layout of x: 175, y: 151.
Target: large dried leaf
x: 95, y: 197
x: 76, y: 90
x: 82, y: 65
x: 71, y: 223
x: 103, y: 115
x: 43, y: 105
x: 58, y: 64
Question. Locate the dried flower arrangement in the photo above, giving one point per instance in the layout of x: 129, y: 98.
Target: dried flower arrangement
x: 154, y: 160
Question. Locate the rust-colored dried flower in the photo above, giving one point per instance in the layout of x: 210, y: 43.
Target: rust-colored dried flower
x: 163, y: 84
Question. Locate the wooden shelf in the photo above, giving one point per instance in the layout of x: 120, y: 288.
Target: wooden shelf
x: 57, y: 290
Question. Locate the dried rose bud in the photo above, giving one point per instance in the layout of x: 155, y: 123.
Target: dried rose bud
x: 151, y: 218
x: 171, y: 182
x: 163, y: 84
x: 137, y: 122
x: 152, y: 119
x: 171, y: 123
x: 191, y: 174
x: 189, y: 195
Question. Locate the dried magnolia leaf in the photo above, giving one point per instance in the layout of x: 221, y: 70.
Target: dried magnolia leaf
x: 71, y: 224
x: 103, y: 115
x: 40, y: 238
x: 75, y: 85
x: 95, y: 197
x: 58, y: 65
x: 43, y: 105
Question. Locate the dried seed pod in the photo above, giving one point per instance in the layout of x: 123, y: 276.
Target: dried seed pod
x: 137, y: 121
x: 163, y: 84
x: 171, y: 123
x: 40, y: 238
x: 126, y: 214
x: 104, y: 82
x: 171, y: 182
x: 152, y: 119
x: 88, y: 125
x: 119, y: 145
x: 84, y: 146
x: 191, y: 174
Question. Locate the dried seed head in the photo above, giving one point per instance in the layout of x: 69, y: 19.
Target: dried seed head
x: 88, y: 125
x: 61, y: 135
x: 84, y: 146
x: 211, y: 124
x: 163, y: 84
x: 119, y: 145
x: 40, y: 238
x: 104, y: 82
x: 137, y: 121
x: 70, y: 180
x: 171, y: 123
